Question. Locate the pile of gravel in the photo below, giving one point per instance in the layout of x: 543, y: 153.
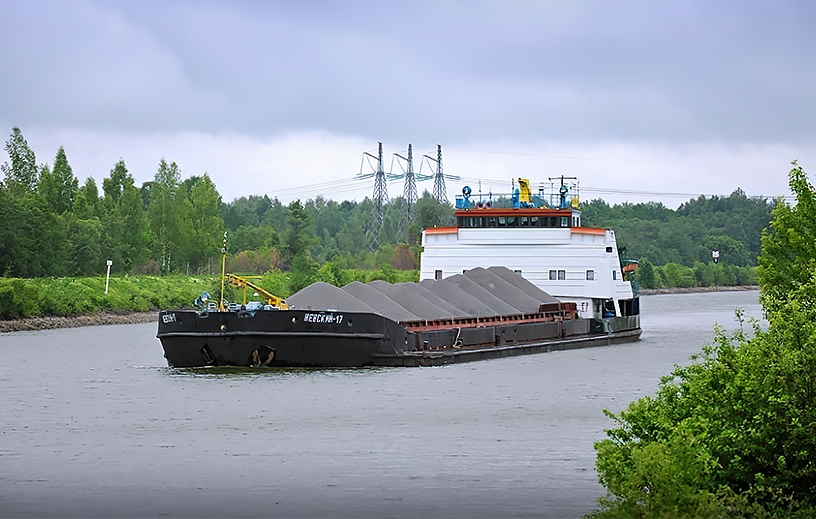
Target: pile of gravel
x: 523, y: 284
x: 323, y: 296
x: 500, y: 288
x: 498, y: 306
x: 478, y: 293
x: 451, y: 293
x: 384, y: 305
x: 436, y: 300
x: 414, y: 302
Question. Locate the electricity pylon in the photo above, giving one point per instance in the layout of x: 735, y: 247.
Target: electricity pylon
x: 379, y: 197
x: 439, y: 178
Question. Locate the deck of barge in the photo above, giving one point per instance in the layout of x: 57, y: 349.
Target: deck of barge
x: 450, y: 356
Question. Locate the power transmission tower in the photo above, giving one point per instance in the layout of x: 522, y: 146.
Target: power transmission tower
x: 439, y: 178
x: 409, y: 192
x: 380, y: 187
x: 379, y: 197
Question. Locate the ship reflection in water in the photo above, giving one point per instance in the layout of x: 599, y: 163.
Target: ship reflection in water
x: 95, y: 425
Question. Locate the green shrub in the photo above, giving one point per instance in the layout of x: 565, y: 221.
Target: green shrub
x: 674, y: 275
x: 18, y: 298
x: 734, y: 433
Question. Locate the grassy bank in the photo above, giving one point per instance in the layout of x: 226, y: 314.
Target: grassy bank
x: 71, y: 296
x: 66, y: 296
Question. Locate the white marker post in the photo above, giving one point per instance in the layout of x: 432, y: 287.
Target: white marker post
x: 107, y: 278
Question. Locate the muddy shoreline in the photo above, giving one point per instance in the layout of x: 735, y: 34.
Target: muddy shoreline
x: 107, y: 318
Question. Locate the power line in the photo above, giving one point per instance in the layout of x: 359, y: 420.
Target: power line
x: 601, y: 159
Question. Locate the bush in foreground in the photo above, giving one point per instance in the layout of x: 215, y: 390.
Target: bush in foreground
x: 734, y: 433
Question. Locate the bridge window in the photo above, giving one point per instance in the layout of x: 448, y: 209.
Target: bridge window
x: 524, y: 221
x: 534, y: 221
x: 502, y: 221
x: 564, y: 221
x: 491, y: 221
x: 512, y: 221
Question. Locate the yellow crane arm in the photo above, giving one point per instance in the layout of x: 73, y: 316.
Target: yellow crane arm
x: 525, y: 193
x: 271, y: 299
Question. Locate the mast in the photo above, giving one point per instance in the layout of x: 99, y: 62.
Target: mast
x: 221, y: 306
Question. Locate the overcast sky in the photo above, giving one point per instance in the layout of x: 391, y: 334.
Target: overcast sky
x: 642, y: 100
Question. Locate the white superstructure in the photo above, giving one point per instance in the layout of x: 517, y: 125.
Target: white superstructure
x: 546, y: 246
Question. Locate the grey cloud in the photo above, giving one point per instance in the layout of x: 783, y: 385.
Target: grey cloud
x: 452, y: 71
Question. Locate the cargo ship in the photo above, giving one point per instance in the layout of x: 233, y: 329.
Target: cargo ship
x: 481, y: 296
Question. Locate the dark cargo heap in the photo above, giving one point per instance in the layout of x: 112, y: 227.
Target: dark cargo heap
x: 481, y: 314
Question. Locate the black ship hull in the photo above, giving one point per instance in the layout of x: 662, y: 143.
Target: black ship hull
x: 302, y: 338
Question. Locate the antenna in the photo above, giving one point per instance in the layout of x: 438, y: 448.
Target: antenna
x: 566, y: 189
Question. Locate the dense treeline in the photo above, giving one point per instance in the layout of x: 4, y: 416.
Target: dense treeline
x: 734, y: 433
x: 51, y: 225
x: 675, y: 247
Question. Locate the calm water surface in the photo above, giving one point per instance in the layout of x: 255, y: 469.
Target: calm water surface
x: 95, y: 425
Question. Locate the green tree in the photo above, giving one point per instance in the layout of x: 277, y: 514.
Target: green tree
x: 85, y: 247
x: 304, y: 271
x: 127, y: 233
x: 86, y: 201
x: 135, y: 244
x: 297, y: 237
x: 733, y: 433
x: 731, y: 251
x: 645, y: 274
x: 431, y: 213
x: 351, y: 238
x: 114, y: 185
x: 21, y: 174
x: 207, y: 225
x: 788, y: 260
x: 164, y: 211
x: 46, y: 186
x: 59, y: 186
x: 675, y: 275
x: 31, y: 237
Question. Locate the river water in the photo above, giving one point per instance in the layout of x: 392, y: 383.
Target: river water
x: 95, y: 425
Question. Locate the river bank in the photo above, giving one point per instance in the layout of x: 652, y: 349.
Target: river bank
x: 695, y: 290
x: 123, y: 317
x: 75, y: 321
